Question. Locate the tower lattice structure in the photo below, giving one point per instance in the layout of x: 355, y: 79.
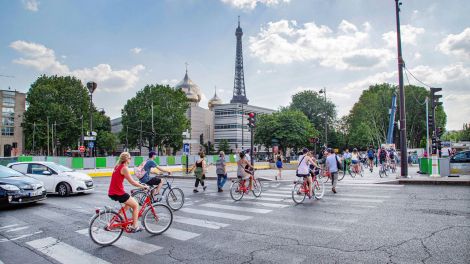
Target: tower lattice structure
x: 239, y: 93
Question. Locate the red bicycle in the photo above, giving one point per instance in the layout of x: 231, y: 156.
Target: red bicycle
x: 238, y: 188
x: 301, y: 189
x: 107, y: 225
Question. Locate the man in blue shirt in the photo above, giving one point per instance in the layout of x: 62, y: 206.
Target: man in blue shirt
x: 152, y: 167
x: 332, y: 167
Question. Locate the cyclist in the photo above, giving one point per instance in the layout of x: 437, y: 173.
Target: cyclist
x: 382, y: 155
x: 370, y: 156
x: 347, y: 159
x: 392, y: 156
x: 116, y: 189
x: 152, y: 167
x: 303, y: 169
x: 355, y: 160
x: 244, y: 168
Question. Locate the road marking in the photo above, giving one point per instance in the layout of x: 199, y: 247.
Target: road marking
x: 20, y: 237
x: 216, y: 214
x: 179, y: 234
x: 63, y: 252
x: 8, y: 226
x: 17, y: 229
x: 199, y: 222
x: 328, y: 203
x: 129, y: 244
x: 277, y: 191
x: 373, y: 185
x: 285, y: 188
x: 236, y: 208
x: 272, y: 205
x: 276, y: 195
x: 356, y: 200
x: 361, y: 195
x: 262, y: 199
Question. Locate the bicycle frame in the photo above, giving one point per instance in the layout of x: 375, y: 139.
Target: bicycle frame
x: 246, y: 189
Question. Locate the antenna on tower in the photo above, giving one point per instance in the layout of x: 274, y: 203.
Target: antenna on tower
x: 238, y: 21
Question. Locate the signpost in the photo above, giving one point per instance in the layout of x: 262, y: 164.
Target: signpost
x: 186, y: 152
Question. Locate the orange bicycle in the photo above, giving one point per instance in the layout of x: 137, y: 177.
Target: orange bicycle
x: 238, y: 188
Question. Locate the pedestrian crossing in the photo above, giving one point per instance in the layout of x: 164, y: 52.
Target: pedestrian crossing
x: 204, y: 214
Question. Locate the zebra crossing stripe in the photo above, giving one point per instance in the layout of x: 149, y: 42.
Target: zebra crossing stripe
x: 129, y: 244
x: 216, y: 214
x: 272, y: 205
x: 276, y: 194
x: 356, y: 200
x: 236, y: 208
x: 62, y: 252
x: 17, y: 229
x: 277, y: 191
x: 179, y: 234
x: 8, y: 226
x: 199, y: 222
x: 26, y: 235
x: 361, y: 195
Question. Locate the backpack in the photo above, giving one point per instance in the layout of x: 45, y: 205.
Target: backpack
x: 383, y: 155
x: 139, y: 171
x: 391, y: 155
x: 370, y: 153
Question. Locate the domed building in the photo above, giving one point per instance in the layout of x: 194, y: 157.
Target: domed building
x: 201, y: 119
x: 214, y: 101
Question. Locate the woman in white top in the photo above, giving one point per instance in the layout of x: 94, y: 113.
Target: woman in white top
x: 355, y: 160
x: 303, y: 170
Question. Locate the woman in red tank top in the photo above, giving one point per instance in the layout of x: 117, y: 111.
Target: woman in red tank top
x: 116, y: 188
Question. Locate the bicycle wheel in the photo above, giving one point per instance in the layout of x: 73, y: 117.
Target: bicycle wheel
x: 381, y: 172
x: 298, y: 195
x: 341, y: 175
x: 361, y: 170
x: 257, y: 189
x: 235, y: 191
x: 158, y: 220
x: 175, y: 198
x: 139, y: 196
x: 325, y: 177
x: 318, y: 189
x: 101, y: 230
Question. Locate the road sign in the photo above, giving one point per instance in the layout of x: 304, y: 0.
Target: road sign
x: 190, y: 141
x: 89, y: 138
x: 82, y: 148
x: 186, y: 148
x: 91, y: 144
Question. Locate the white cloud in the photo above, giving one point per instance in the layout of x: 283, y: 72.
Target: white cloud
x: 284, y: 42
x: 409, y: 35
x: 251, y: 4
x: 44, y: 60
x: 170, y: 82
x: 31, y: 5
x: 458, y: 45
x: 136, y: 50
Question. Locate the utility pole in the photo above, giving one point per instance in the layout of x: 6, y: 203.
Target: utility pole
x: 81, y: 141
x: 243, y: 137
x: 47, y: 136
x: 34, y: 135
x: 153, y: 132
x: 427, y: 126
x: 140, y: 141
x: 403, y: 148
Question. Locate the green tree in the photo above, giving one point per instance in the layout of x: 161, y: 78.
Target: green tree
x: 61, y: 100
x: 169, y: 117
x: 314, y: 106
x: 224, y: 146
x: 291, y: 128
x: 106, y: 142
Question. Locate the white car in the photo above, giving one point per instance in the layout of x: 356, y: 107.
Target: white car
x: 56, y: 178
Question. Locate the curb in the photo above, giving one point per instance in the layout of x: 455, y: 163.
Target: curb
x: 434, y: 182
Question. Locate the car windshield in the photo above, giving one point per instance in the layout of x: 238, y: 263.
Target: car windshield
x: 7, y: 172
x: 58, y: 167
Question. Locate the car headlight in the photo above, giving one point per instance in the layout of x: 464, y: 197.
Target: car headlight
x: 9, y: 187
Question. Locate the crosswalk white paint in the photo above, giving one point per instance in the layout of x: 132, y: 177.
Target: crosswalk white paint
x: 374, y: 185
x: 236, y: 208
x: 362, y: 195
x: 8, y: 226
x: 25, y: 235
x: 355, y: 200
x: 272, y: 205
x: 262, y: 198
x: 278, y: 191
x: 276, y: 194
x: 216, y: 214
x: 179, y: 234
x: 62, y: 252
x: 17, y: 229
x: 129, y: 244
x: 199, y: 222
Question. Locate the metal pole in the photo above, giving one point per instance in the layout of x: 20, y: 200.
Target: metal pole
x: 81, y: 141
x: 403, y: 148
x: 91, y: 120
x: 47, y: 136
x: 34, y: 134
x: 326, y: 125
x: 243, y: 137
x: 140, y: 142
x: 153, y: 132
x: 427, y: 126
x: 251, y: 148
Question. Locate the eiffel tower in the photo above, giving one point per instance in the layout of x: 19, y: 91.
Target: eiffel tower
x: 239, y: 94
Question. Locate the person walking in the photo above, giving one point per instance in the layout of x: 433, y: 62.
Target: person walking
x: 332, y: 167
x: 279, y: 167
x: 221, y: 171
x: 199, y: 171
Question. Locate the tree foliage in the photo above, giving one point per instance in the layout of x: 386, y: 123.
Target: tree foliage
x: 368, y: 119
x: 313, y: 105
x: 169, y: 117
x: 291, y: 129
x: 224, y: 146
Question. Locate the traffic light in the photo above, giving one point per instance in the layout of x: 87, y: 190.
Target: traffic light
x: 201, y: 139
x: 431, y: 122
x: 434, y: 145
x: 252, y: 120
x: 435, y: 97
x: 439, y: 132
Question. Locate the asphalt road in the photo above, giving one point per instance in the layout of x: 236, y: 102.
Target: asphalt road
x: 362, y: 223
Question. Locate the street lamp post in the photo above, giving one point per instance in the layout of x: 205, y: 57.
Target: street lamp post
x: 91, y: 88
x: 323, y: 91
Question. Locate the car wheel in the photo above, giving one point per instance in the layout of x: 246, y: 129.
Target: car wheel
x: 63, y: 189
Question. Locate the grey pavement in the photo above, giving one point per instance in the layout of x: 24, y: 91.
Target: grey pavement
x: 362, y: 223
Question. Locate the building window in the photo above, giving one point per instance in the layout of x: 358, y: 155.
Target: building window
x: 8, y: 102
x: 8, y: 121
x: 8, y: 111
x: 8, y: 94
x: 8, y: 131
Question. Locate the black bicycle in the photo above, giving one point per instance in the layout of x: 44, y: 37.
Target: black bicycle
x: 174, y: 197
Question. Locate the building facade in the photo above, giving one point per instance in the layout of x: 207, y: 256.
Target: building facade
x: 13, y: 105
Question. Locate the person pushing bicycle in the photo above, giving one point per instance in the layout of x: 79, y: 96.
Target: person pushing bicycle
x: 116, y: 189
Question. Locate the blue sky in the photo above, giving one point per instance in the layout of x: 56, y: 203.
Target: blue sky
x: 289, y: 45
